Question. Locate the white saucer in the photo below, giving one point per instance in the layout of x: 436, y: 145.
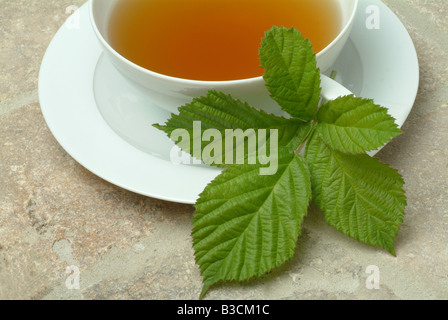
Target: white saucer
x: 104, y: 123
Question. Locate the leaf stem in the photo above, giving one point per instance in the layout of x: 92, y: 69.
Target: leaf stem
x: 305, y: 141
x: 333, y: 74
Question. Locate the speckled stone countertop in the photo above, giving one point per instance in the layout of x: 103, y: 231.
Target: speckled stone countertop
x: 55, y: 214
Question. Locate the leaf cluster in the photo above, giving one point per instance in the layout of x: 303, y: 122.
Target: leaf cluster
x: 246, y: 223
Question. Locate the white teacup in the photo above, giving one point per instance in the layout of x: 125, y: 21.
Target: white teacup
x: 170, y: 93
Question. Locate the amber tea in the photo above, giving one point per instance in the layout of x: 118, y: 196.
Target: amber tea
x: 213, y: 39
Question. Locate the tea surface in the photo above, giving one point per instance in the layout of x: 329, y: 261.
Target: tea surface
x: 213, y: 39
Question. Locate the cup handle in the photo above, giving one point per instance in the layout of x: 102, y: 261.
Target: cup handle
x: 332, y: 89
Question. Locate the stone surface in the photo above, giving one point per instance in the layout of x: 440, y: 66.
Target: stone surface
x: 57, y: 218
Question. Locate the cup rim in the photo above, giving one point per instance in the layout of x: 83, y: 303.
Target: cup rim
x: 145, y: 71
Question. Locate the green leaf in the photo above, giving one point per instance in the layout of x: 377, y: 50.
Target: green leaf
x: 355, y: 125
x: 222, y: 112
x: 360, y: 196
x: 291, y: 74
x: 245, y: 223
x: 248, y: 219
